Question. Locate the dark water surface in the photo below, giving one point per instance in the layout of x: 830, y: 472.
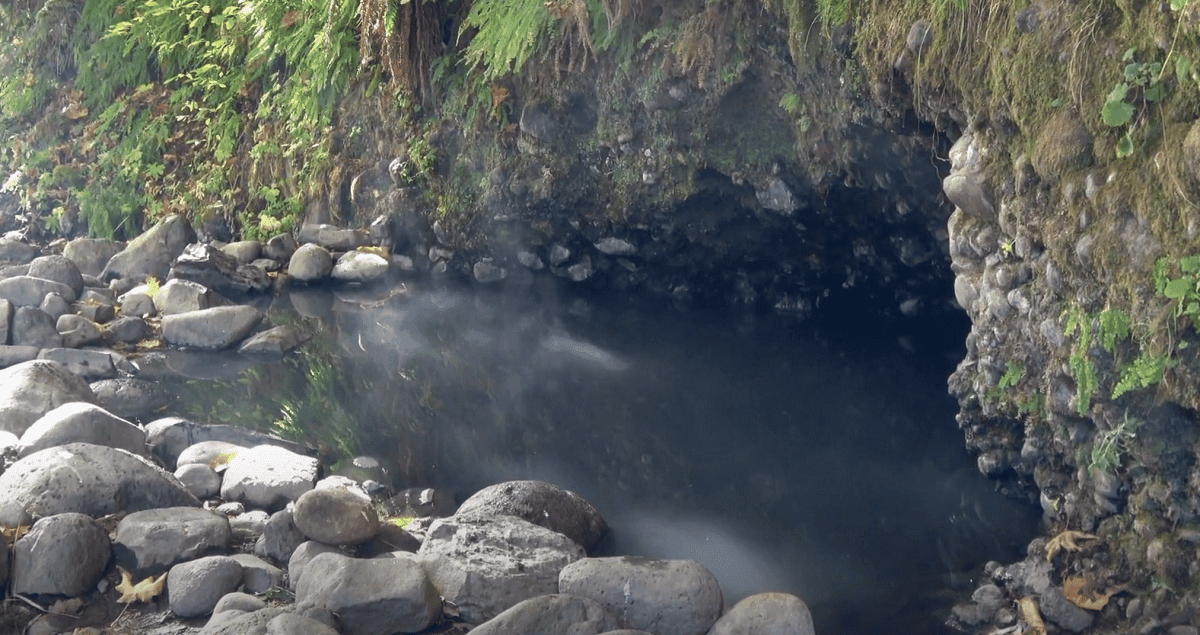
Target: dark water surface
x: 821, y: 460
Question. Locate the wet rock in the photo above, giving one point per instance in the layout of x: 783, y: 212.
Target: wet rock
x: 215, y: 328
x: 153, y: 540
x: 1063, y: 146
x: 132, y: 398
x: 199, y: 479
x: 530, y: 260
x: 182, y: 296
x: 616, y: 247
x: 966, y: 291
x: 63, y: 554
x: 268, y: 477
x: 81, y: 422
x: 1058, y: 609
x: 776, y: 197
x: 660, y: 596
x: 542, y: 504
x: 169, y: 437
x: 193, y: 588
x: 551, y: 614
x: 59, y: 269
x: 128, y: 330
x: 280, y: 537
x: 310, y: 263
x: 90, y: 364
x: 31, y: 389
x: 257, y: 575
x: 487, y: 273
x: 77, y: 331
x: 964, y: 185
x: 91, y: 254
x: 336, y: 516
x: 16, y: 252
x: 217, y: 270
x: 243, y: 252
x: 559, y: 254
x: 31, y: 291
x: 334, y: 238
x: 138, y: 305
x: 151, y: 253
x: 89, y: 479
x: 766, y: 614
x: 31, y: 326
x: 582, y: 270
x: 276, y: 341
x: 370, y: 597
x: 487, y: 564
x: 280, y: 247
x: 355, y: 266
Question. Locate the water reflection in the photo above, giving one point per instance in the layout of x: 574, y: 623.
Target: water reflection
x: 824, y: 464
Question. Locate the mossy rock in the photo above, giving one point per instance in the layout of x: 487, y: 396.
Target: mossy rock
x: 1064, y: 145
x: 1191, y: 154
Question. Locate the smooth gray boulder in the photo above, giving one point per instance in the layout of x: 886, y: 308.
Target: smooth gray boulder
x: 551, y: 614
x: 280, y: 247
x: 16, y: 252
x: 137, y: 304
x: 310, y: 263
x: 59, y: 269
x: 193, y: 588
x: 766, y: 614
x: 336, y: 516
x: 77, y: 330
x: 151, y: 254
x: 63, y: 554
x: 31, y: 291
x: 90, y: 364
x: 356, y: 266
x: 543, y: 504
x: 210, y: 453
x: 182, y: 296
x: 32, y: 326
x: 170, y: 436
x: 258, y: 575
x: 55, y: 306
x: 127, y: 329
x: 370, y: 597
x: 82, y: 422
x: 243, y: 252
x: 486, y: 564
x: 85, y: 478
x: 268, y: 477
x: 132, y: 398
x: 13, y: 355
x: 91, y: 254
x: 238, y: 601
x: 152, y: 540
x: 241, y: 623
x: 666, y: 597
x: 215, y: 328
x: 31, y: 389
x: 334, y: 238
x: 302, y: 555
x: 201, y: 480
x: 279, y: 538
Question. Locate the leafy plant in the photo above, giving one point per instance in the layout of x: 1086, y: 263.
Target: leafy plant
x: 1140, y: 82
x: 790, y: 103
x: 1107, y: 450
x: 509, y: 34
x: 1083, y: 369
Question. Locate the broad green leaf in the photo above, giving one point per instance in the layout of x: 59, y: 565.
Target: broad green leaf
x: 1116, y: 113
x: 1178, y: 288
x: 1156, y: 92
x: 1183, y: 68
x: 1124, y: 146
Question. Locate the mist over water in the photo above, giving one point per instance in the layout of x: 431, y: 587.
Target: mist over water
x: 783, y: 456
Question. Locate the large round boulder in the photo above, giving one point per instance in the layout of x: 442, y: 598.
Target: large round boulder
x: 31, y: 389
x: 660, y: 596
x: 63, y: 554
x: 85, y: 478
x: 370, y: 597
x: 766, y: 614
x: 81, y: 422
x: 543, y: 504
x: 336, y: 516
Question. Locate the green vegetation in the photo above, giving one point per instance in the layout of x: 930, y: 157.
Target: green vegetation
x: 1141, y: 83
x: 1108, y: 448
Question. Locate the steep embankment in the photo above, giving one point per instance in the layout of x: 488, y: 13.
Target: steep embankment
x: 1044, y: 157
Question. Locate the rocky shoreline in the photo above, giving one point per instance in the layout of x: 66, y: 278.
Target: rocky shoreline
x: 118, y: 520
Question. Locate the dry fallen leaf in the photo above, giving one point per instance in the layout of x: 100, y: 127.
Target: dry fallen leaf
x: 13, y: 534
x: 1067, y: 541
x: 143, y: 591
x: 1029, y: 613
x: 1080, y: 593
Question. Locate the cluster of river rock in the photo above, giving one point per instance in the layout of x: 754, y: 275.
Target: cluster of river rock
x: 97, y: 487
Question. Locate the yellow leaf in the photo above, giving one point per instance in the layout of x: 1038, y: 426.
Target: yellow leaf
x: 1067, y: 541
x: 1080, y: 594
x: 13, y: 534
x: 143, y: 591
x: 1029, y: 613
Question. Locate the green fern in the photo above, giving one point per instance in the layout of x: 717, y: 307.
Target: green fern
x: 510, y: 32
x: 1080, y: 362
x: 1114, y: 327
x: 1145, y: 371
